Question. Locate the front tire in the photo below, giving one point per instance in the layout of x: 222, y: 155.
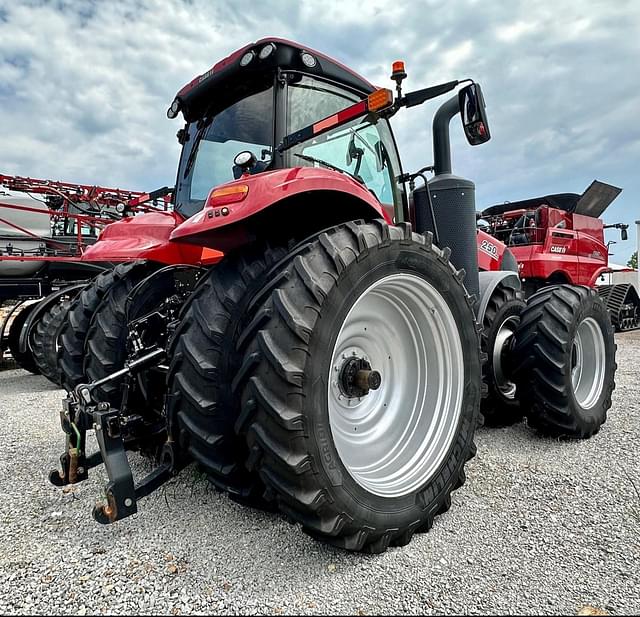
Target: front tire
x: 564, y: 355
x: 364, y: 471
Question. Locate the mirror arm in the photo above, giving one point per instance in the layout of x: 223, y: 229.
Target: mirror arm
x: 417, y: 97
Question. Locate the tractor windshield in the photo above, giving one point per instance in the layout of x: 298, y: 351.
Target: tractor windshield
x: 361, y: 148
x: 207, y: 158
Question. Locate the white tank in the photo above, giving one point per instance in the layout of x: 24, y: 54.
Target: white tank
x: 32, y: 221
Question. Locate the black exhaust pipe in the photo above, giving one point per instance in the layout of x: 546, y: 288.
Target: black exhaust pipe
x: 453, y: 200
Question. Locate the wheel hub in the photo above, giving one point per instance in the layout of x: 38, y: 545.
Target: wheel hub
x: 400, y: 348
x: 500, y: 357
x: 588, y: 363
x: 357, y: 378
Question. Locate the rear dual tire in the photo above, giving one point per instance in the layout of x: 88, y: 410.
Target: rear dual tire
x: 501, y: 407
x: 45, y: 340
x: 564, y: 355
x: 73, y: 336
x: 377, y: 490
x: 201, y: 407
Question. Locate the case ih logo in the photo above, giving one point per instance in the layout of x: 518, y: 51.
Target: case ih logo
x: 558, y: 249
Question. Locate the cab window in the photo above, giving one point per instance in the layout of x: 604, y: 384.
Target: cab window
x: 363, y: 148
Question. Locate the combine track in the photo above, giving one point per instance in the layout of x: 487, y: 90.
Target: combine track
x: 623, y: 304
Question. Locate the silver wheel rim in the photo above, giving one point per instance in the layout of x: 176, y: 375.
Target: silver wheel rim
x: 507, y: 329
x: 393, y: 440
x: 588, y: 363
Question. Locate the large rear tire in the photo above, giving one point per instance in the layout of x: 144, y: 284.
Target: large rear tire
x: 362, y: 470
x: 201, y: 407
x: 502, y: 316
x: 564, y: 361
x: 106, y: 348
x: 74, y: 331
x: 45, y: 340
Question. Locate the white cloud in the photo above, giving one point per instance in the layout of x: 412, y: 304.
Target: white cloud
x: 84, y: 86
x: 512, y: 32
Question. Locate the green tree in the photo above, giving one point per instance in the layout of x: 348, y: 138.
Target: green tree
x: 633, y: 261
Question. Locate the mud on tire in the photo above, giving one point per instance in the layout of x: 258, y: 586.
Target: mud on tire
x: 288, y: 356
x: 564, y: 356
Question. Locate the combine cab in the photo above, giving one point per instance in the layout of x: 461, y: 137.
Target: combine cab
x: 560, y: 239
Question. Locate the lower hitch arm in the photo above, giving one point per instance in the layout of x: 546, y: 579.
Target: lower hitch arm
x: 80, y: 413
x: 122, y: 494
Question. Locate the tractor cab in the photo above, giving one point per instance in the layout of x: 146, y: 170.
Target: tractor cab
x: 249, y: 102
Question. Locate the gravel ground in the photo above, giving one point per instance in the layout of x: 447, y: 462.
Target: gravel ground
x: 540, y: 527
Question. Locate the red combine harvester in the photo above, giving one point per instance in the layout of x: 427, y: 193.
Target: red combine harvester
x: 331, y: 364
x: 45, y: 229
x: 559, y: 239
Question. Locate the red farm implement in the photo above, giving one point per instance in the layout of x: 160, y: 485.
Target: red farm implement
x: 45, y: 229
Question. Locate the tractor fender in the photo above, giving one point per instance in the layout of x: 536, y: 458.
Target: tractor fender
x: 44, y: 305
x: 145, y: 236
x: 489, y: 282
x: 224, y: 225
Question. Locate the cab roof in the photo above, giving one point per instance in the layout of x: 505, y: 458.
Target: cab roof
x: 227, y: 79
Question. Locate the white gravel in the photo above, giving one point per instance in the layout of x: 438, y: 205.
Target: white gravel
x: 540, y: 527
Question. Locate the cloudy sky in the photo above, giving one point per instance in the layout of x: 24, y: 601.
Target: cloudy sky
x: 84, y: 85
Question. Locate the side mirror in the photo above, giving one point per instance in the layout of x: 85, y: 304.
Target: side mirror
x: 474, y: 115
x: 623, y: 234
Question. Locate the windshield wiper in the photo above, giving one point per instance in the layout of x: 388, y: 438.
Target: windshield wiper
x: 313, y: 159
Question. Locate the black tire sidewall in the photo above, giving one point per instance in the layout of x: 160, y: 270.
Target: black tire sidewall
x: 594, y: 308
x: 25, y: 359
x: 511, y: 308
x: 349, y: 495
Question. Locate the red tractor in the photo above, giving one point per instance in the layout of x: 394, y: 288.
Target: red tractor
x: 305, y: 325
x: 560, y: 239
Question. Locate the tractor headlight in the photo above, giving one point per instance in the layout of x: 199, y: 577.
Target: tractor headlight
x: 308, y: 60
x: 266, y: 51
x: 247, y: 58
